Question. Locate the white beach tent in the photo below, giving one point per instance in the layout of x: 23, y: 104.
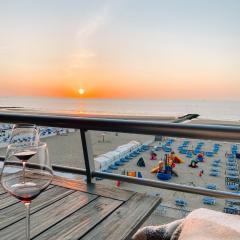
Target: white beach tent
x: 105, y: 160
x: 122, y: 150
x: 112, y: 155
x: 126, y: 148
x: 101, y: 162
x: 133, y: 145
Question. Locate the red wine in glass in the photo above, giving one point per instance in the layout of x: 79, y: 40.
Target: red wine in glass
x: 25, y: 155
x: 26, y: 179
x: 29, y: 190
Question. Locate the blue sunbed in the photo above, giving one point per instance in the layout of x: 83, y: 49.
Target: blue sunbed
x: 214, y: 174
x: 180, y: 202
x: 209, y: 200
x: 233, y: 187
x: 215, y: 164
x: 113, y: 167
x: 119, y: 163
x: 209, y: 154
x: 211, y: 186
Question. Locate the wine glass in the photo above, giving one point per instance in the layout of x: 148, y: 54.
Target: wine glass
x: 24, y: 134
x: 26, y: 172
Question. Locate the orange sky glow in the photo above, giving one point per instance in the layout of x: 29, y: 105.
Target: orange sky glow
x: 120, y: 49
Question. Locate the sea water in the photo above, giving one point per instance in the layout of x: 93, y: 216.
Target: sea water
x: 218, y: 110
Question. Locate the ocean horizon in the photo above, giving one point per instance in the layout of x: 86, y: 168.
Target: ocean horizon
x: 207, y: 109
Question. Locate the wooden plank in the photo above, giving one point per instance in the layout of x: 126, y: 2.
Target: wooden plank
x: 79, y: 223
x: 47, y: 216
x: 2, y: 190
x: 94, y: 188
x: 123, y: 222
x: 7, y: 200
x: 16, y: 212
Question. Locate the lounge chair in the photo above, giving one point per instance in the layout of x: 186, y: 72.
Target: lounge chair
x: 209, y: 201
x: 214, y: 174
x: 214, y: 164
x: 209, y: 154
x: 180, y: 202
x: 189, y: 154
x: 119, y: 163
x: 113, y: 167
x: 211, y: 186
x: 233, y: 187
x: 215, y: 169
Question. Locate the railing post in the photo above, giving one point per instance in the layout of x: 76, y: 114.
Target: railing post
x: 87, y: 153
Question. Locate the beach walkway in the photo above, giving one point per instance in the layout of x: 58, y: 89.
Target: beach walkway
x: 72, y: 209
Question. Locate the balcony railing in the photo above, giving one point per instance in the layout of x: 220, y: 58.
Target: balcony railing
x: 210, y: 132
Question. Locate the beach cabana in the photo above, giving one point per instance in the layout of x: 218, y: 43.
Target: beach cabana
x: 102, y: 163
x: 113, y: 156
x: 122, y: 150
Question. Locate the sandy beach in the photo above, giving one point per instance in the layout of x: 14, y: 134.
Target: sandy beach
x: 67, y: 150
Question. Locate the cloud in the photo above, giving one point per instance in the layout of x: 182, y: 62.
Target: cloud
x: 83, y: 54
x: 81, y: 59
x: 92, y: 25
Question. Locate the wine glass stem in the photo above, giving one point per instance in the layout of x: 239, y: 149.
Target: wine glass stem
x: 27, y: 205
x: 24, y: 166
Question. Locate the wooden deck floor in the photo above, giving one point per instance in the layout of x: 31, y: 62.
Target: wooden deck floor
x: 71, y: 209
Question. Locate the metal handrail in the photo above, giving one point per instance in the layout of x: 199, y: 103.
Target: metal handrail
x: 211, y: 132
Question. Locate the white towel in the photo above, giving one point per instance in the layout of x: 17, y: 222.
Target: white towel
x: 201, y: 224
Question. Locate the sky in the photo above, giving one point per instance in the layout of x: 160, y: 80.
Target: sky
x: 148, y: 49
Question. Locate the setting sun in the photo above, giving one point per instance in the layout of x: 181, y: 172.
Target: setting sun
x: 81, y: 91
